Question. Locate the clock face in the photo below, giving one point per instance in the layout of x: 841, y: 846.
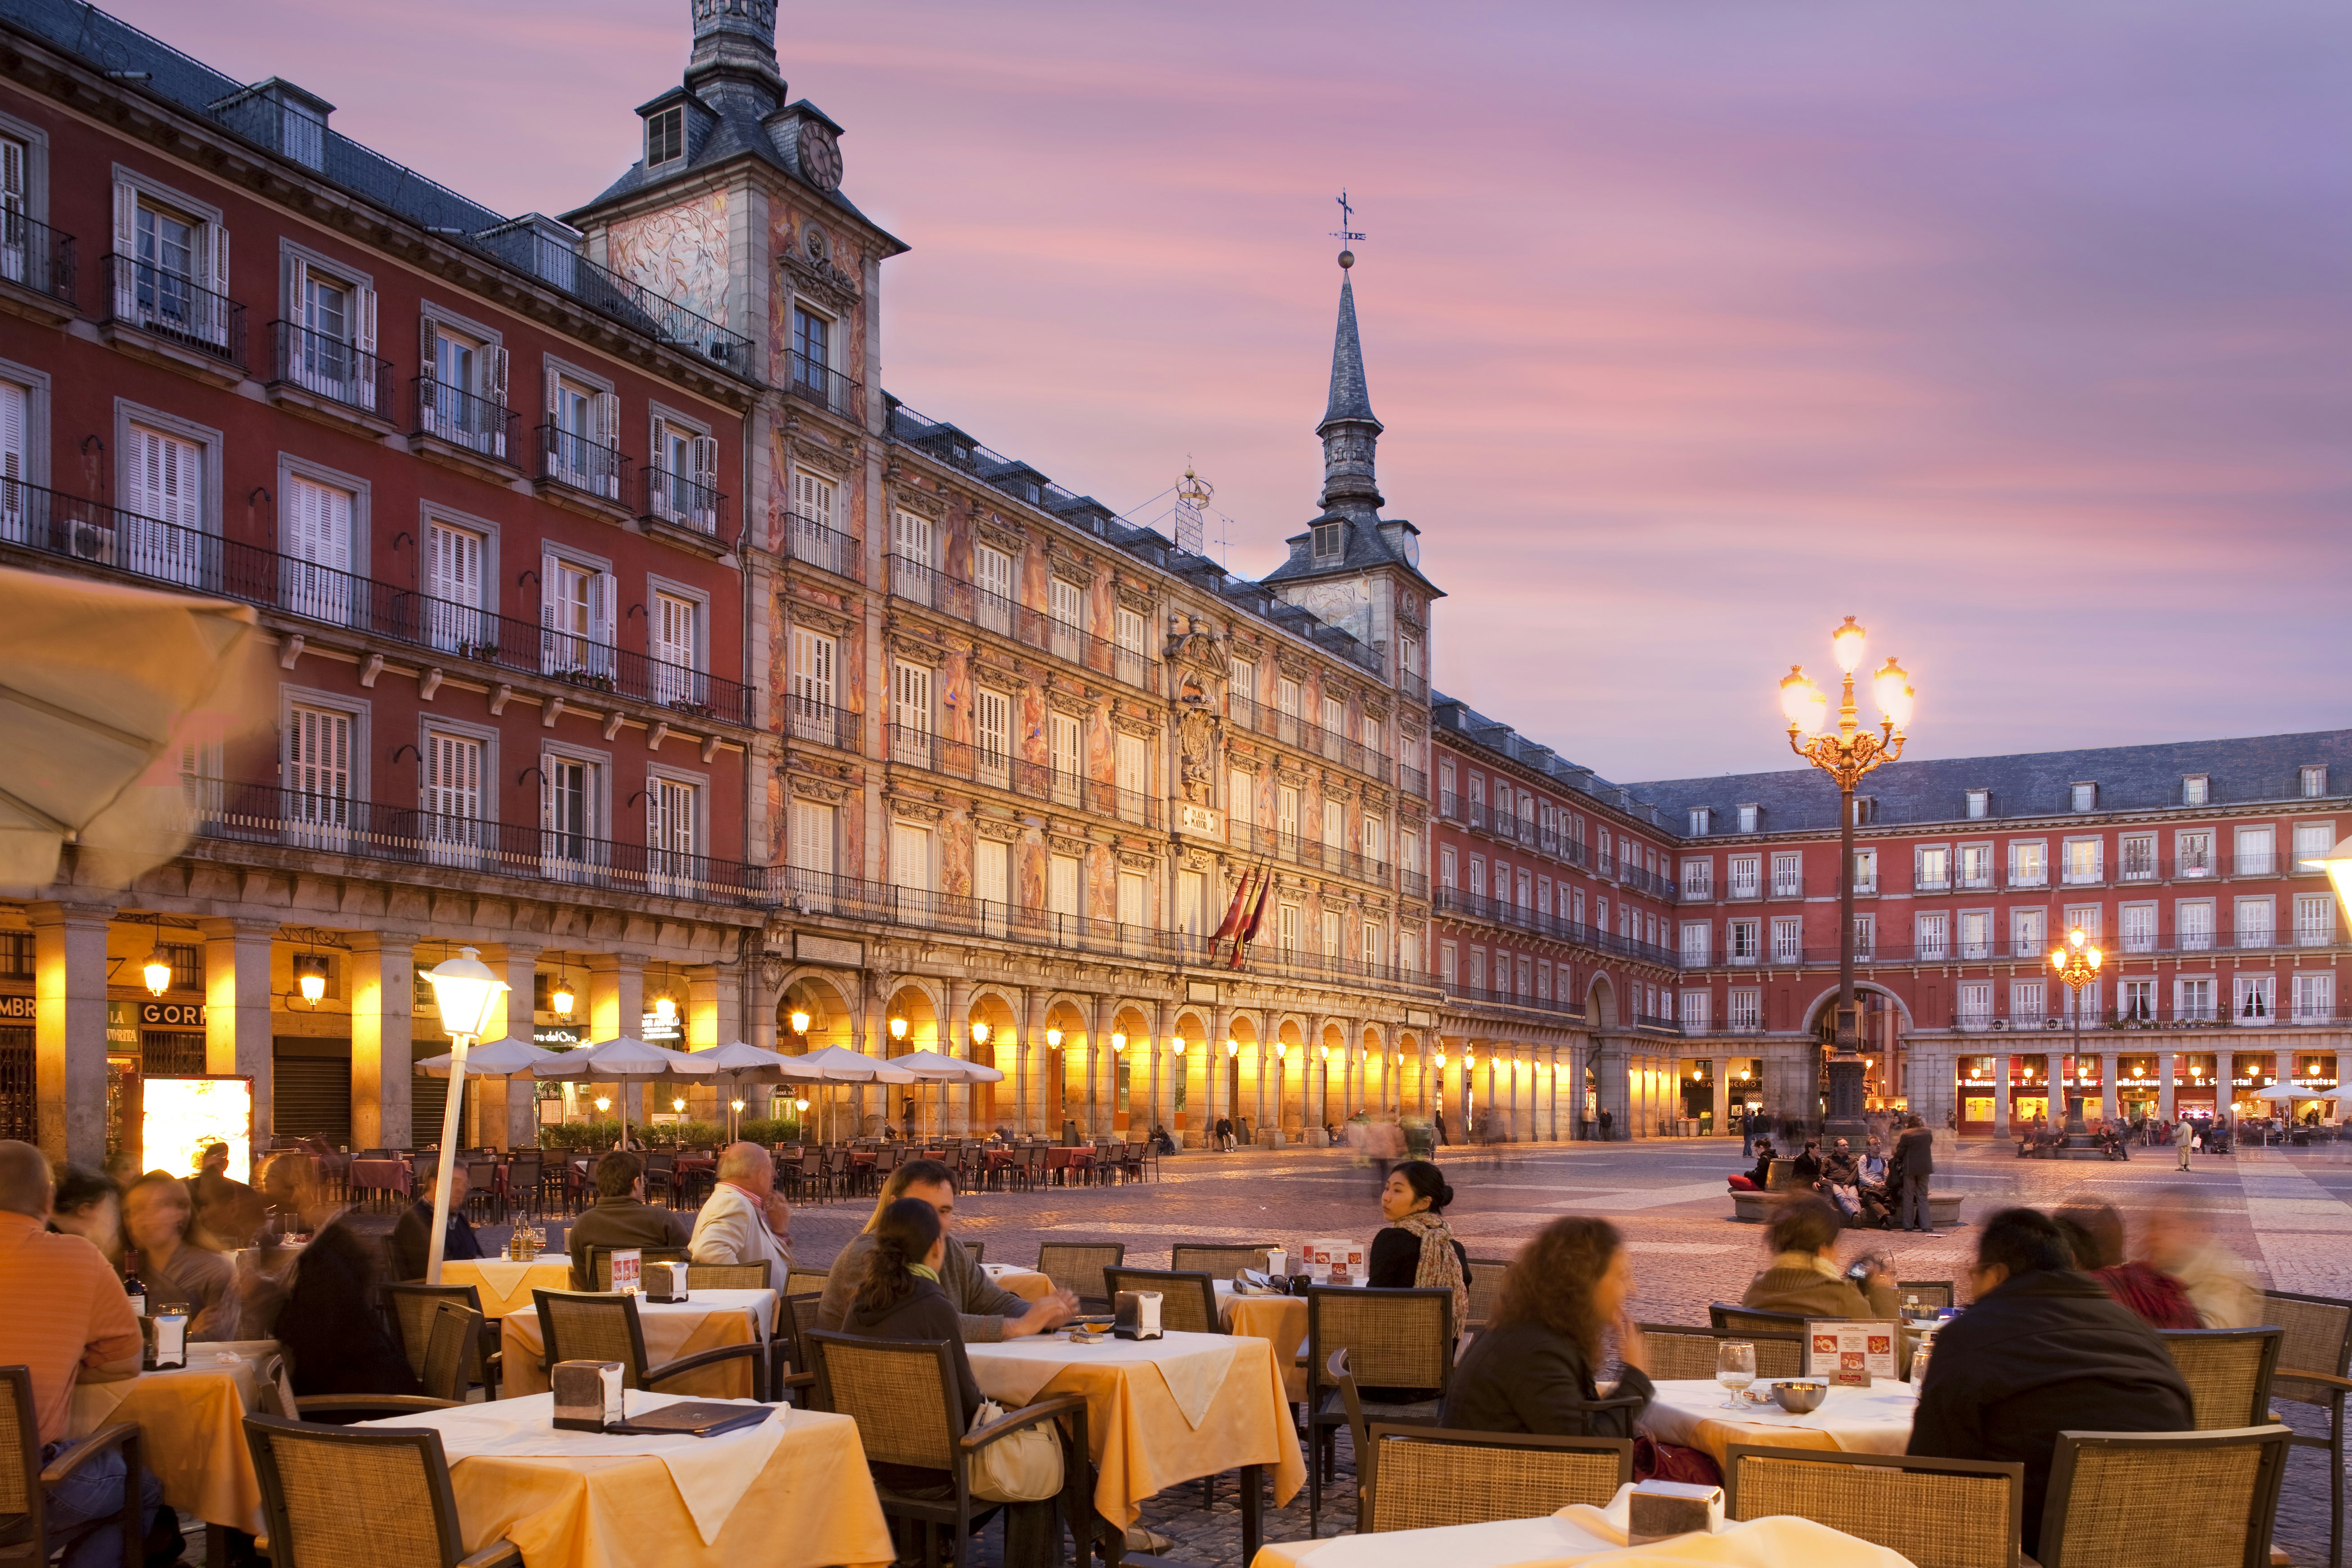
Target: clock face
x: 820, y: 156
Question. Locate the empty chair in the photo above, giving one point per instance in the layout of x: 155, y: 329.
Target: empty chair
x: 2118, y: 1497
x: 1188, y: 1302
x: 1730, y: 1319
x: 1485, y: 1288
x: 594, y: 1326
x: 726, y: 1276
x: 600, y: 1261
x: 805, y: 1281
x: 2227, y: 1371
x: 1939, y: 1513
x: 1420, y: 1477
x: 24, y: 1506
x: 414, y: 1313
x: 2314, y: 1367
x: 1077, y: 1266
x: 1218, y: 1262
x: 1678, y: 1352
x: 346, y: 1497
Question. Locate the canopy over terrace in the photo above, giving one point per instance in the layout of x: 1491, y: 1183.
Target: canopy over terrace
x: 624, y: 1059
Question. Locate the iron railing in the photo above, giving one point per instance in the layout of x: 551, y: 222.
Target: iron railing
x: 1414, y: 684
x: 330, y: 368
x: 1293, y: 730
x: 949, y: 595
x: 2162, y: 943
x: 1449, y: 806
x: 143, y: 547
x: 578, y: 464
x: 608, y: 294
x: 918, y: 748
x: 1297, y: 849
x: 821, y: 723
x: 1412, y: 781
x: 821, y: 384
x: 454, y: 415
x: 37, y: 257
x: 175, y: 308
x: 1502, y: 912
x: 679, y: 499
x: 808, y: 541
x: 1488, y: 997
x: 1414, y: 884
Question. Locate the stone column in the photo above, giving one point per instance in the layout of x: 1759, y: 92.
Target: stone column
x: 2111, y: 1100
x: 2165, y: 1067
x: 2002, y: 1109
x: 1163, y: 1026
x: 69, y: 1032
x: 1022, y: 1122
x: 616, y: 1006
x: 1213, y: 1072
x: 957, y: 1043
x: 237, y: 1035
x: 383, y: 982
x: 1099, y: 1033
x: 504, y: 1113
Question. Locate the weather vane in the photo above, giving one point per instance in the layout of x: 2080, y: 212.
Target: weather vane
x: 1345, y: 235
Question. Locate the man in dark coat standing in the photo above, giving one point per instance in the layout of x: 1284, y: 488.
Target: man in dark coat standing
x: 2043, y: 1350
x: 1913, y: 1164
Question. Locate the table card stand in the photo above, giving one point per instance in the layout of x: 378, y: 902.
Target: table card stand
x: 1850, y: 1353
x: 628, y: 1270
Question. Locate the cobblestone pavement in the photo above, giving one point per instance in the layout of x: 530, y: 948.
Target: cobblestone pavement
x: 2289, y: 1214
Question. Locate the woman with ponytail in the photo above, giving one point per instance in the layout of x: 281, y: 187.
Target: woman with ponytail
x: 900, y: 1298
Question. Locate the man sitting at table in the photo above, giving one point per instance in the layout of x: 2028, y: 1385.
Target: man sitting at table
x: 228, y: 1213
x: 745, y: 1219
x: 68, y: 1317
x: 1804, y: 1276
x: 411, y: 1242
x: 621, y: 1216
x: 985, y: 1310
x: 2042, y: 1351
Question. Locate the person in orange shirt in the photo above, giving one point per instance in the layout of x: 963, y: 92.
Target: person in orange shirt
x: 67, y: 1318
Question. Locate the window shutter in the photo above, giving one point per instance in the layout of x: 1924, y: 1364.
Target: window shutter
x: 605, y: 410
x: 548, y: 568
x: 655, y: 798
x: 363, y: 320
x: 494, y: 375
x: 706, y: 476
x: 428, y: 350
x: 12, y: 442
x: 126, y: 247
x: 12, y: 176
x: 600, y: 607
x: 554, y: 399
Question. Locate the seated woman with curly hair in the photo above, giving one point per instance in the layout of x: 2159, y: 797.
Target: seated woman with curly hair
x: 1532, y: 1369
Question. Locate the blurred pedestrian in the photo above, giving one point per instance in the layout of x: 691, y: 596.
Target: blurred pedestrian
x: 2216, y: 1281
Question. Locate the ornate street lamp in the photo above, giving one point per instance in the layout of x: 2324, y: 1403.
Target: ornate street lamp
x: 2077, y: 962
x: 466, y: 992
x: 1846, y: 756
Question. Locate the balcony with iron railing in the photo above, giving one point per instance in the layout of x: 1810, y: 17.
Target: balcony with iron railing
x: 37, y: 259
x: 1489, y: 996
x: 820, y: 723
x: 1449, y: 806
x: 572, y: 464
x: 944, y: 593
x: 811, y: 542
x: 682, y: 502
x: 1521, y: 917
x: 173, y: 311
x: 2056, y: 1027
x: 1297, y: 849
x: 1412, y: 686
x: 1414, y: 884
x: 1412, y: 781
x: 1655, y: 1025
x: 1293, y: 729
x: 813, y: 382
x: 2162, y: 943
x: 155, y: 551
x: 914, y: 747
x: 452, y: 419
x: 332, y: 369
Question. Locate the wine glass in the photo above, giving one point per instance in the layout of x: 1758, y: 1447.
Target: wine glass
x: 1734, y: 1368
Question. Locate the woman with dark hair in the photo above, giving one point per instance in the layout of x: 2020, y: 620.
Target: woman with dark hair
x: 1532, y: 1368
x: 2094, y: 1234
x: 1417, y: 1248
x: 88, y: 1204
x: 157, y: 1215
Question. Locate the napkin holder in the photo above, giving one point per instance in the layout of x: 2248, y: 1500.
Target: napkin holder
x: 666, y: 1282
x: 1658, y: 1510
x: 587, y: 1394
x: 1137, y: 1315
x: 167, y: 1340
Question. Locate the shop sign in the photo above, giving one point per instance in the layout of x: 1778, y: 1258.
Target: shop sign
x: 172, y: 1014
x: 552, y: 1036
x: 16, y: 1009
x: 654, y: 1030
x: 122, y: 1026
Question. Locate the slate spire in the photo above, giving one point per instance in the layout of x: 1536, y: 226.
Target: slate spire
x: 1350, y: 429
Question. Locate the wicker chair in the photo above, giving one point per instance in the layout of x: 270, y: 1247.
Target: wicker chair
x: 600, y: 1261
x: 2314, y: 1367
x: 453, y: 1345
x: 1730, y: 1319
x: 1936, y: 1293
x: 1188, y: 1302
x: 2227, y: 1371
x: 1679, y: 1351
x: 343, y: 1497
x: 803, y: 1281
x: 1077, y: 1266
x: 726, y: 1276
x: 413, y: 1309
x: 972, y: 1249
x: 1217, y: 1262
x: 1394, y: 1340
x: 1418, y: 1478
x: 903, y: 1396
x: 2113, y: 1493
x: 1486, y: 1289
x: 597, y: 1326
x: 1938, y: 1513
x: 23, y: 1503
x: 274, y: 1395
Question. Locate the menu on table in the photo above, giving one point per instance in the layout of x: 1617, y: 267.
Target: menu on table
x: 1851, y: 1350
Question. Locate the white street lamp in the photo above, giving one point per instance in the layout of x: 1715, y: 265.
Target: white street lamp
x: 467, y: 992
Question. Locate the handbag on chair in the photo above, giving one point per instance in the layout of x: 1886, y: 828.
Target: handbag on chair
x: 1026, y: 1466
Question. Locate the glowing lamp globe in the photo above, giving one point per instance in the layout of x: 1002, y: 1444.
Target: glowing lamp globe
x: 561, y: 998
x: 1177, y: 1045
x: 466, y: 991
x: 897, y: 1028
x: 1891, y: 687
x: 1233, y: 1047
x: 1053, y: 1038
x: 1846, y: 644
x: 979, y: 1032
x: 1118, y: 1042
x: 800, y: 1021
x: 1801, y: 702
x: 158, y: 974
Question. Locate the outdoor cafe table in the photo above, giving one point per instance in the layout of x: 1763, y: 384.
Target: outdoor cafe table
x: 503, y: 1284
x: 380, y: 1176
x: 190, y: 1423
x: 1157, y: 1411
x: 1582, y: 1537
x: 706, y: 1321
x: 1280, y: 1321
x: 1025, y: 1283
x: 1874, y: 1420
x: 791, y: 1492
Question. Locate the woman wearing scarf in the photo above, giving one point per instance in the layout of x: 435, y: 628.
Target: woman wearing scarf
x: 1417, y: 1248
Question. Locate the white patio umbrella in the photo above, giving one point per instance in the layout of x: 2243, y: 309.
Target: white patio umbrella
x: 939, y: 1069
x: 507, y: 1058
x: 839, y: 1064
x: 740, y: 1062
x: 622, y: 1059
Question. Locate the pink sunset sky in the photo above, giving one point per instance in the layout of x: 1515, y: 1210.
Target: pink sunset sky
x: 2018, y: 330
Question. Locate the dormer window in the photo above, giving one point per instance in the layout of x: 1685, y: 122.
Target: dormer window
x: 2195, y: 789
x: 1980, y: 804
x: 1329, y: 541
x: 1747, y: 818
x: 2087, y: 797
x: 1699, y: 817
x: 666, y: 136
x: 2313, y: 782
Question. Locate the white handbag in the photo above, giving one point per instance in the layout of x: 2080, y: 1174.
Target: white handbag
x: 1026, y: 1466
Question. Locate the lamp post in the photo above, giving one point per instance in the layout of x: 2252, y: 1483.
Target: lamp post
x: 1846, y: 756
x: 2077, y: 962
x: 466, y: 991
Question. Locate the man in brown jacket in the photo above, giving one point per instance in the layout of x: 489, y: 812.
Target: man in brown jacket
x: 1804, y: 1276
x: 622, y: 1217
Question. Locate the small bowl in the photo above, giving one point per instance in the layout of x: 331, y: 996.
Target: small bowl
x: 1799, y: 1399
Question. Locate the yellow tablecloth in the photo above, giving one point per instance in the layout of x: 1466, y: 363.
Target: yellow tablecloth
x: 812, y: 1506
x: 1281, y: 1321
x: 504, y: 1286
x: 1142, y: 1443
x: 1025, y: 1283
x: 190, y: 1424
x: 1875, y: 1420
x: 1585, y: 1538
x: 708, y: 1320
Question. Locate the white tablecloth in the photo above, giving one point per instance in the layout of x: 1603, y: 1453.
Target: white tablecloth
x: 1874, y: 1420
x: 1193, y: 1366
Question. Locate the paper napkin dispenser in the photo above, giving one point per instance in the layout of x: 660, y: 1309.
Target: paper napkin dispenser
x: 587, y: 1394
x: 167, y: 1336
x: 666, y: 1282
x: 1655, y: 1510
x: 1136, y: 1315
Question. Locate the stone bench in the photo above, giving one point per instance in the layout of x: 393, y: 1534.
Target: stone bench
x: 1755, y: 1208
